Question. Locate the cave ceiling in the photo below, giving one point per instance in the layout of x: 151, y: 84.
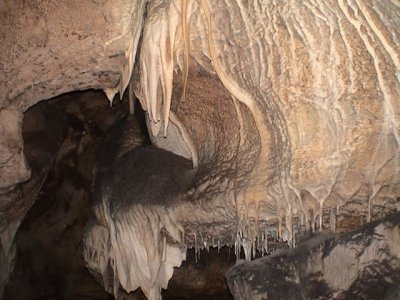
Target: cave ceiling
x: 287, y: 110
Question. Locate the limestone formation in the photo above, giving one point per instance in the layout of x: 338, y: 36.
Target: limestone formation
x: 363, y: 264
x: 42, y: 143
x: 289, y: 111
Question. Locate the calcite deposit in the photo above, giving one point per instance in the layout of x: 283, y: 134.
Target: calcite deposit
x: 288, y: 110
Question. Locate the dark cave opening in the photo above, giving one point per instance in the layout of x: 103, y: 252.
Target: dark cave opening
x: 49, y: 262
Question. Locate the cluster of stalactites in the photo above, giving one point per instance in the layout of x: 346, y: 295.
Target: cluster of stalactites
x: 165, y: 38
x: 164, y: 48
x: 130, y: 52
x: 136, y: 248
x: 254, y: 240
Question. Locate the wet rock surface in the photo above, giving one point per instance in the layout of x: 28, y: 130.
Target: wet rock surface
x: 362, y: 264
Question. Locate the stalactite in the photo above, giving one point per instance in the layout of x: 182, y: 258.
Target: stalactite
x: 166, y: 34
x: 145, y: 230
x: 186, y: 41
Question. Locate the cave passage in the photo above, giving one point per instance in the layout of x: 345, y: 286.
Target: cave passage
x: 49, y: 262
x: 89, y: 139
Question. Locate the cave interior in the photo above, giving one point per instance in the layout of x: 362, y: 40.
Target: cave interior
x: 199, y: 149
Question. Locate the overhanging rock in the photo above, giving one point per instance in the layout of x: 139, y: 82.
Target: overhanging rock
x: 364, y: 264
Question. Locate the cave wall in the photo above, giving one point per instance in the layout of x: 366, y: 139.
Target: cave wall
x: 49, y: 261
x: 48, y: 244
x: 363, y: 264
x: 343, y: 77
x: 314, y: 86
x: 48, y: 48
x: 42, y: 142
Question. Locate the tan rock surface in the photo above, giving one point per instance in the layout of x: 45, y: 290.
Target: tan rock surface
x: 305, y: 117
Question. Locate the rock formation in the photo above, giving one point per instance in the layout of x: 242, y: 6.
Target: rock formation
x: 288, y: 111
x: 363, y: 264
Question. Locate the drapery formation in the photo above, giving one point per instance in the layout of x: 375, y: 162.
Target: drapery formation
x: 309, y: 118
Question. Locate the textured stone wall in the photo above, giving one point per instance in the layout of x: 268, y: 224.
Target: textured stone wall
x: 301, y: 117
x: 364, y: 264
